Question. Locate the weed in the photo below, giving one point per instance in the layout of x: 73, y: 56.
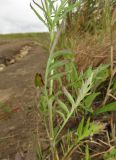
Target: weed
x: 66, y: 94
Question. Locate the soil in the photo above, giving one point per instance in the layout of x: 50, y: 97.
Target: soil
x: 20, y: 60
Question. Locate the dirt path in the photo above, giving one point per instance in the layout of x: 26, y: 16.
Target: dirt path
x: 20, y: 60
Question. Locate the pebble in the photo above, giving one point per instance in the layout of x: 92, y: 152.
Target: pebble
x: 2, y: 66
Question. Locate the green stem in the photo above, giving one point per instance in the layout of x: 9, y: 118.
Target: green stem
x: 49, y: 93
x: 52, y: 48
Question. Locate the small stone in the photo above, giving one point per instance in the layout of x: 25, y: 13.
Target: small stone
x: 23, y: 53
x: 12, y: 128
x: 2, y: 66
x: 12, y: 61
x: 17, y: 58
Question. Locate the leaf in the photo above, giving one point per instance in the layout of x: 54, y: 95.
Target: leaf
x: 89, y: 129
x: 101, y: 74
x: 61, y: 114
x: 96, y: 127
x: 114, y: 84
x: 63, y: 53
x: 106, y: 108
x: 85, y: 88
x: 38, y: 6
x: 87, y: 126
x: 68, y: 95
x: 89, y: 100
x: 37, y: 14
x: 38, y: 80
x: 57, y: 64
x: 63, y: 107
x: 80, y: 128
x: 58, y: 75
x: 88, y: 72
x: 72, y: 78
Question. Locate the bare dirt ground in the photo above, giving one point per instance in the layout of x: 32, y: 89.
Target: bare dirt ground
x: 20, y: 60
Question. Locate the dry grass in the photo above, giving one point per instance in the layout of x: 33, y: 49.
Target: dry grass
x: 93, y: 51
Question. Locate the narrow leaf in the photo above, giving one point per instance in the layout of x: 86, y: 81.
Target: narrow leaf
x: 89, y: 100
x: 62, y: 53
x: 68, y: 95
x: 37, y: 14
x: 61, y: 115
x: 58, y: 75
x: 80, y: 128
x: 106, y: 108
x: 63, y: 106
x: 57, y: 64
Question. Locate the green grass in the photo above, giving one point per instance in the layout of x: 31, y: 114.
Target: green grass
x: 42, y: 38
x: 25, y: 35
